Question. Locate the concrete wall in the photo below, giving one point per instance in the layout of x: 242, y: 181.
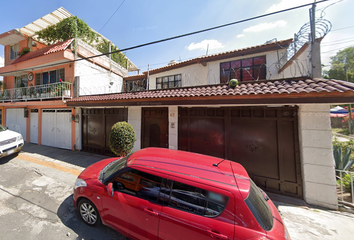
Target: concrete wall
x: 317, y: 161
x: 173, y: 127
x: 97, y: 80
x: 134, y: 119
x: 198, y: 75
x: 299, y: 67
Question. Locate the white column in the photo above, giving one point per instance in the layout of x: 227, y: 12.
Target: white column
x: 173, y: 127
x: 78, y: 129
x: 317, y: 160
x: 134, y: 119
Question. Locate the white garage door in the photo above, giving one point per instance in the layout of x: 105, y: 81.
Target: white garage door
x: 16, y: 121
x: 34, y: 126
x: 56, y: 128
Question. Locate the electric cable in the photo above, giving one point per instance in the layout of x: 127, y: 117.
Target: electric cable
x: 112, y: 15
x: 171, y: 38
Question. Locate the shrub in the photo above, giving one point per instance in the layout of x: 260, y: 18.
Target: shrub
x: 122, y: 138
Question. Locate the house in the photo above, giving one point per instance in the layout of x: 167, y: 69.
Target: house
x: 39, y: 82
x: 275, y: 122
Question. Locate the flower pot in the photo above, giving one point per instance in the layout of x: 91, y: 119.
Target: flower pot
x: 66, y: 93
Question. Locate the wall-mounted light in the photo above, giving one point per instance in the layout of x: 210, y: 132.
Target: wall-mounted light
x: 75, y: 118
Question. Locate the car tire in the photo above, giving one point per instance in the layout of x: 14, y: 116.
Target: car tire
x: 89, y: 213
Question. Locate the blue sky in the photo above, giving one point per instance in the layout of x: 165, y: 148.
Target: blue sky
x: 142, y: 21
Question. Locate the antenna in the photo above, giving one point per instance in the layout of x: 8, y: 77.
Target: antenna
x: 217, y: 164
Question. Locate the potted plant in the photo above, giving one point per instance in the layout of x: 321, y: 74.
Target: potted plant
x: 23, y: 51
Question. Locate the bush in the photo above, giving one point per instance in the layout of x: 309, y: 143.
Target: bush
x: 346, y: 182
x: 122, y: 138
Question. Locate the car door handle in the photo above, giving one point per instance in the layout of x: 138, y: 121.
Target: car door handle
x: 148, y: 210
x: 217, y: 235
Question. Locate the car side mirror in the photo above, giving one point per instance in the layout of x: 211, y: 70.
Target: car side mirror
x: 110, y: 189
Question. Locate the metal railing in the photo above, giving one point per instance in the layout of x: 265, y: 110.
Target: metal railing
x: 59, y: 90
x: 345, y: 186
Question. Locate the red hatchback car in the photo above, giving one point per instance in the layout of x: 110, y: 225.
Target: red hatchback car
x: 159, y: 193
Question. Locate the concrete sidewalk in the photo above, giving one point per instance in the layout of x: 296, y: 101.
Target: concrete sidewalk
x: 304, y: 222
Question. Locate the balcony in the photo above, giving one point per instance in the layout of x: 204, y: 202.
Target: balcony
x: 52, y: 91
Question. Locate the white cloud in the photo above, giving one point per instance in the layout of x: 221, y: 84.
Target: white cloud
x: 240, y: 35
x: 265, y: 26
x: 203, y: 45
x: 284, y: 4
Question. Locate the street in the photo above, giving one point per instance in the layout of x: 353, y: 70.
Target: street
x: 36, y: 203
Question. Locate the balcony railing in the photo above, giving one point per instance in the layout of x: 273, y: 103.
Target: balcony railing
x: 62, y: 90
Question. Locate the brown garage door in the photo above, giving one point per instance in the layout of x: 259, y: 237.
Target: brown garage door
x: 96, y: 126
x: 264, y: 140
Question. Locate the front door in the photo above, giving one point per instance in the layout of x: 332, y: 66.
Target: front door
x: 155, y: 127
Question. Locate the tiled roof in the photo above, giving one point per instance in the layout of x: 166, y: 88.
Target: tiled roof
x: 273, y: 88
x: 60, y: 46
x: 238, y: 52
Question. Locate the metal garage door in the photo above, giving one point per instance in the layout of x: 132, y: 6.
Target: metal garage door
x: 96, y: 127
x: 264, y: 140
x: 56, y: 128
x: 16, y: 121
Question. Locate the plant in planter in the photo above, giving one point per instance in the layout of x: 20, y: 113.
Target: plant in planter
x: 122, y: 138
x: 23, y: 51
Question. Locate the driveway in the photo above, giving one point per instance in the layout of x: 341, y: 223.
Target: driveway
x: 36, y: 201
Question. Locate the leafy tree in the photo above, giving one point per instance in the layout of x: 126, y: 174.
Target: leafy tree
x: 122, y: 138
x: 341, y: 63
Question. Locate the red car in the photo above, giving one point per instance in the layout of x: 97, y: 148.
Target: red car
x: 159, y: 193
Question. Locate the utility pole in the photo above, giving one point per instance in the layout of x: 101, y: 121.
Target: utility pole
x: 315, y: 59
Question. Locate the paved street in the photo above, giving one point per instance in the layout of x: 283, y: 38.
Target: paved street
x: 36, y: 201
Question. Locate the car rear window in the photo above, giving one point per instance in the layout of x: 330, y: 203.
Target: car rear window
x: 259, y: 207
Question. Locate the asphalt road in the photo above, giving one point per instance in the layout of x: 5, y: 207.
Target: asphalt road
x: 36, y: 202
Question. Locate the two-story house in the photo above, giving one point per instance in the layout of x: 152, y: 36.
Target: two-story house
x: 275, y: 122
x: 40, y: 78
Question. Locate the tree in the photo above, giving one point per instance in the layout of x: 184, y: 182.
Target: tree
x: 122, y: 138
x: 342, y: 65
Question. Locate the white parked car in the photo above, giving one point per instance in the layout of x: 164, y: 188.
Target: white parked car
x: 10, y: 142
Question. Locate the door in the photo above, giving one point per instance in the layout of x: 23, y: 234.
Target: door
x: 96, y: 127
x: 263, y: 139
x: 196, y: 211
x: 16, y: 121
x: 155, y: 127
x: 56, y: 128
x: 134, y: 207
x: 34, y: 126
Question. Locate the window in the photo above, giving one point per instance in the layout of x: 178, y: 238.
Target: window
x: 193, y: 200
x: 13, y: 51
x: 140, y: 184
x: 50, y: 77
x: 172, y: 81
x: 244, y: 69
x: 135, y: 85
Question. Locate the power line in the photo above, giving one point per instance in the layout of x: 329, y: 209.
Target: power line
x: 341, y: 48
x: 172, y: 38
x: 342, y: 28
x: 112, y: 16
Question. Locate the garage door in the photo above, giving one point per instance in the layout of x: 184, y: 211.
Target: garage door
x: 56, y: 128
x: 264, y: 140
x: 16, y: 121
x: 96, y: 127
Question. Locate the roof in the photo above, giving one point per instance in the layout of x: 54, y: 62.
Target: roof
x: 234, y: 53
x: 60, y: 46
x: 176, y: 162
x: 255, y: 92
x: 45, y: 21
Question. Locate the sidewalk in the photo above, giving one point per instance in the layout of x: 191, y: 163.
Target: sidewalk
x: 304, y: 222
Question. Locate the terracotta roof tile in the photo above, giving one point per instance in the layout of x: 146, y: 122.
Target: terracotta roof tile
x: 60, y: 46
x: 264, y: 88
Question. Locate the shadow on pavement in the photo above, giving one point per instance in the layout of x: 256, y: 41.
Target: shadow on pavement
x: 78, y: 158
x: 7, y: 159
x: 71, y: 219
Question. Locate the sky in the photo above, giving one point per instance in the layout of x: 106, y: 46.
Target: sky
x: 141, y: 21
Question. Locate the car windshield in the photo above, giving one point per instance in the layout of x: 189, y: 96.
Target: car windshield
x: 259, y: 207
x: 112, y: 168
x: 2, y: 128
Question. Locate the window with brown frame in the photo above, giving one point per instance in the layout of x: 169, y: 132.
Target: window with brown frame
x: 244, y: 69
x: 172, y: 81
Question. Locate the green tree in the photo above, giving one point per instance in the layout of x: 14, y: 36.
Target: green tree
x: 122, y: 138
x: 341, y: 64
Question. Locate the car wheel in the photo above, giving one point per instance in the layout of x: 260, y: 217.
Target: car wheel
x: 89, y: 213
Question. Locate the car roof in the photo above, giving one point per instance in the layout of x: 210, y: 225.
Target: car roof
x: 181, y: 163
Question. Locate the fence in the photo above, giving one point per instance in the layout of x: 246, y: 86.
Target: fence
x: 38, y: 92
x: 345, y: 186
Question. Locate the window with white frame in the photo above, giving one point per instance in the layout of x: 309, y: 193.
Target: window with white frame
x: 13, y: 51
x: 172, y: 81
